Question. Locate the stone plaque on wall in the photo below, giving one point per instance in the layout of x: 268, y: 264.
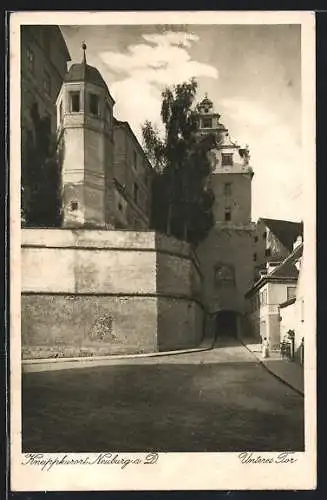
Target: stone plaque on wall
x: 224, y: 274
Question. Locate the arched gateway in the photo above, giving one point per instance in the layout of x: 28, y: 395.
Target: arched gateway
x: 226, y: 323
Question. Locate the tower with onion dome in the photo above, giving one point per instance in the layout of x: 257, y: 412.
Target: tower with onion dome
x: 85, y: 146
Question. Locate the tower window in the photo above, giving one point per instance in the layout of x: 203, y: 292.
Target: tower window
x: 30, y: 59
x: 254, y: 257
x: 268, y: 252
x: 228, y: 214
x: 256, y: 239
x: 74, y: 206
x: 228, y: 188
x: 264, y: 235
x: 94, y: 104
x: 206, y: 122
x: 75, y: 102
x: 135, y: 192
x: 227, y: 159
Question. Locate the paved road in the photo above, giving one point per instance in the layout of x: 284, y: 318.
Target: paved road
x: 220, y: 400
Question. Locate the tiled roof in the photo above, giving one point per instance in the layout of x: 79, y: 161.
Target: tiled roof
x: 287, y: 268
x: 286, y: 231
x: 82, y: 72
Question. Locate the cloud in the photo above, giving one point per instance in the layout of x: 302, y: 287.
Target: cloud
x: 145, y: 69
x: 276, y: 158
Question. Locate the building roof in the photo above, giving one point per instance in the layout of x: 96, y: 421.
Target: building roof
x: 286, y: 272
x: 62, y: 42
x: 82, y: 72
x: 286, y: 231
x: 287, y: 268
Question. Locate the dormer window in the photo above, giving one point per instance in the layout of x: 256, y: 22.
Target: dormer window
x: 74, y: 102
x: 207, y: 122
x: 94, y: 104
x: 227, y: 159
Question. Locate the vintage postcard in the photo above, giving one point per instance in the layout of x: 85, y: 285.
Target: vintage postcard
x: 163, y: 295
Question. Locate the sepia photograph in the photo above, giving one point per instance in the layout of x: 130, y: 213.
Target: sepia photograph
x: 162, y: 267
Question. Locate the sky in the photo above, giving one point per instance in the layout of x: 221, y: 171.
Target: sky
x: 252, y: 73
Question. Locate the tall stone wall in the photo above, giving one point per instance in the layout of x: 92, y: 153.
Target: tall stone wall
x: 96, y: 292
x: 232, y: 247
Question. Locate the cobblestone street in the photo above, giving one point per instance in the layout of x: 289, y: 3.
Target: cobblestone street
x: 219, y: 400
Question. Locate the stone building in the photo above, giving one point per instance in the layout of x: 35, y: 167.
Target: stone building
x: 106, y: 177
x: 275, y: 289
x: 44, y: 57
x: 227, y: 254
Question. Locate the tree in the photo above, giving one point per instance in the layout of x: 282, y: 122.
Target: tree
x: 182, y: 198
x: 40, y: 177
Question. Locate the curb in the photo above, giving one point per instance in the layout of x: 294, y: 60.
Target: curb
x: 301, y: 393
x: 112, y: 357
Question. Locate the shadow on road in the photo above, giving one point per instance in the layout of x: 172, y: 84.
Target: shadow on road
x: 216, y: 407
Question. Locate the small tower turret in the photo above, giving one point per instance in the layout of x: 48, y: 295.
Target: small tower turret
x: 85, y: 139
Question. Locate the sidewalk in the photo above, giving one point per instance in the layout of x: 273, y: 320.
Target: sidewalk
x: 289, y: 372
x: 46, y: 364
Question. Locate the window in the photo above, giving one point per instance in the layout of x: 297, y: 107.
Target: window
x: 254, y: 257
x: 30, y: 59
x: 94, y: 104
x: 256, y: 239
x: 73, y: 205
x: 206, y: 122
x: 228, y: 188
x: 47, y: 83
x: 135, y: 160
x: 291, y: 292
x: 264, y: 235
x: 228, y: 214
x: 268, y: 252
x: 227, y: 159
x: 135, y: 192
x: 120, y: 207
x: 74, y: 102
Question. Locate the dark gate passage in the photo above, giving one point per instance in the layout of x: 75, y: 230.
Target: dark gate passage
x: 226, y: 324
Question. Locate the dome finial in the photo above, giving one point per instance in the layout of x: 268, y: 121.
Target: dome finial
x: 84, y: 52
